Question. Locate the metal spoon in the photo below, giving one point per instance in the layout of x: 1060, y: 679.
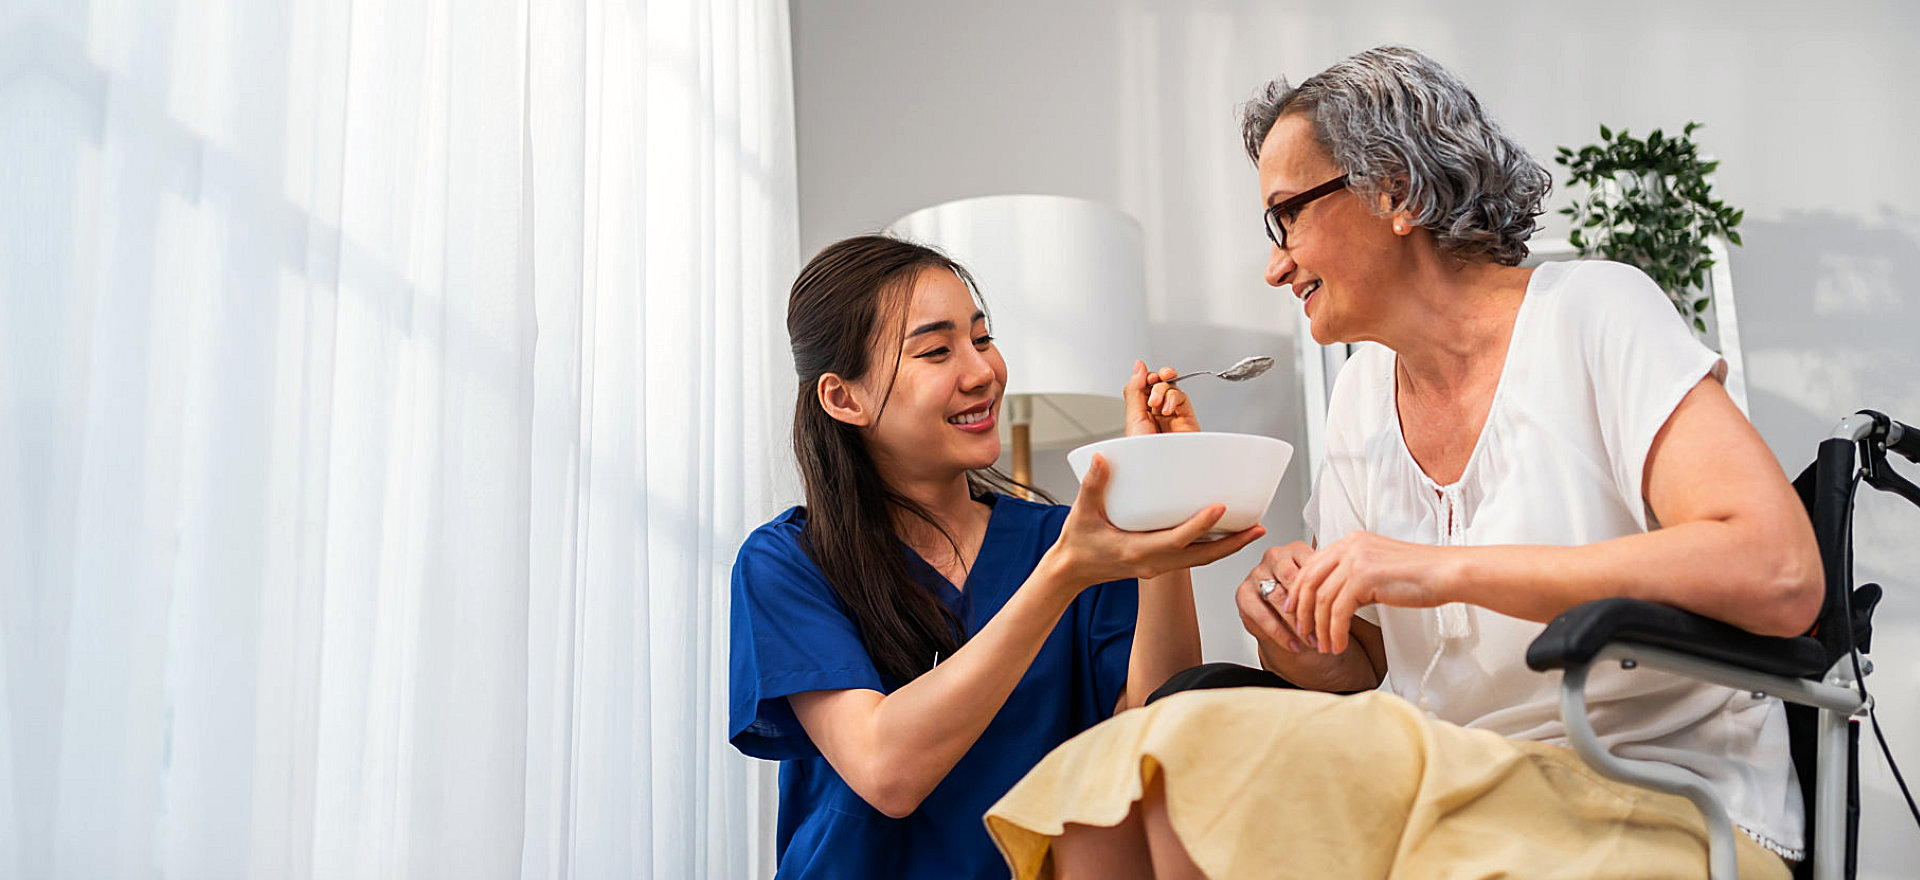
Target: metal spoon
x: 1246, y: 369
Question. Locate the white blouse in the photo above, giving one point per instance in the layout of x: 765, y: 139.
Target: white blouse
x: 1597, y: 363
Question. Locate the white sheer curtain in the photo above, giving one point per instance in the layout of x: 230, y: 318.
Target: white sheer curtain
x: 385, y: 387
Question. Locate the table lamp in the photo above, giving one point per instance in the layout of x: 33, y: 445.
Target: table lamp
x: 1064, y: 282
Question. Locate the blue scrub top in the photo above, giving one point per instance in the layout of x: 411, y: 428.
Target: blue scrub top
x: 791, y: 633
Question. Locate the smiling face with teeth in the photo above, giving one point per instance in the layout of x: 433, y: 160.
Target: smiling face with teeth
x: 1340, y: 257
x: 938, y: 411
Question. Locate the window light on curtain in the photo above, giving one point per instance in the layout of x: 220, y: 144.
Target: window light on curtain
x: 384, y: 388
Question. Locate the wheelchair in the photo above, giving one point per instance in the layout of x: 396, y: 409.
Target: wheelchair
x: 1820, y: 676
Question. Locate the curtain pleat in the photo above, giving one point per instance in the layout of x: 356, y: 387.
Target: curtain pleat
x: 386, y: 388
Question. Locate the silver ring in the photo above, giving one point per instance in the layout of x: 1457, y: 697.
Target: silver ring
x: 1266, y: 587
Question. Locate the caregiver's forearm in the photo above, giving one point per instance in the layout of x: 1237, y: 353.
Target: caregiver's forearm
x: 1167, y: 637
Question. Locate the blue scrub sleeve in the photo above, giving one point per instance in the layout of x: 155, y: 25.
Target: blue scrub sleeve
x: 1110, y: 613
x: 1104, y: 616
x: 790, y: 634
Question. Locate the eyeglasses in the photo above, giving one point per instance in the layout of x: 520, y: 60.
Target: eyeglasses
x: 1282, y: 215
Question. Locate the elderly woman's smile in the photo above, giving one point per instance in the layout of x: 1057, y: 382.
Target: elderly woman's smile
x: 1313, y: 226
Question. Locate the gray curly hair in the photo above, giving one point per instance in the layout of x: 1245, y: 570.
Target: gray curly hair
x: 1398, y: 123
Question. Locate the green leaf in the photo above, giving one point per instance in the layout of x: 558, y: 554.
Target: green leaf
x: 1699, y: 325
x: 1649, y: 204
x: 1605, y: 134
x: 1734, y: 237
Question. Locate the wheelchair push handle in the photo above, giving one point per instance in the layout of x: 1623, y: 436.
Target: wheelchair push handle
x: 1876, y: 435
x: 1904, y: 440
x: 1873, y: 429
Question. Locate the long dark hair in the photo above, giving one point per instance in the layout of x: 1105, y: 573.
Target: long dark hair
x: 833, y: 315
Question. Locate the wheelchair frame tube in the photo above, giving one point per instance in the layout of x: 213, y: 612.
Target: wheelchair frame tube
x: 1836, y: 700
x: 1832, y: 521
x: 1830, y: 792
x: 1649, y: 774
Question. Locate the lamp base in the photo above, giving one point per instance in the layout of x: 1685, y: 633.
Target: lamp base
x: 1023, y: 459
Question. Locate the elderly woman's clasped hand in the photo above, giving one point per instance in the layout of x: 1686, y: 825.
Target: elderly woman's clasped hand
x: 1300, y: 598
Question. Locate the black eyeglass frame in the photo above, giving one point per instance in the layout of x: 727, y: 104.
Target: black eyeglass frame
x: 1276, y: 232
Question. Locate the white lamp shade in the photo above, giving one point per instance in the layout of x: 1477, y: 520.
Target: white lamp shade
x: 1064, y: 280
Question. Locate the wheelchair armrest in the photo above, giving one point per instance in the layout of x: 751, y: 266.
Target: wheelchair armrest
x: 1579, y: 633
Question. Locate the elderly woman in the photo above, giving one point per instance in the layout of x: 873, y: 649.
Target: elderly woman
x: 1519, y: 441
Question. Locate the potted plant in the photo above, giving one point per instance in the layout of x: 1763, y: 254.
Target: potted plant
x: 1648, y: 204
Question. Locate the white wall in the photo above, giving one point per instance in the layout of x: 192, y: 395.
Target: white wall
x: 908, y: 103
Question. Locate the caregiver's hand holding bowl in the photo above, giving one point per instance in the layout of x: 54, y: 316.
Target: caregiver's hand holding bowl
x: 1166, y: 469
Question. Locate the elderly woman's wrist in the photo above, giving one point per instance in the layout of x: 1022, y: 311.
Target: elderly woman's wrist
x: 1457, y: 574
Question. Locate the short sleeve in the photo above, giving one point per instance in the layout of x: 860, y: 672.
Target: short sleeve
x: 1331, y: 512
x: 1103, y: 618
x: 1333, y: 509
x: 789, y: 634
x: 1642, y: 360
x: 1111, y: 611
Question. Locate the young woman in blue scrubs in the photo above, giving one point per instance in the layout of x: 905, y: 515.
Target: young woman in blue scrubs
x: 913, y: 640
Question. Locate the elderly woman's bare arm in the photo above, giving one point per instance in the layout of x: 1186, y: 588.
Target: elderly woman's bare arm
x: 1735, y: 534
x: 1735, y: 545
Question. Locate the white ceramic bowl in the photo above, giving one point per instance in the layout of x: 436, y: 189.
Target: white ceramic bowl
x: 1159, y: 480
